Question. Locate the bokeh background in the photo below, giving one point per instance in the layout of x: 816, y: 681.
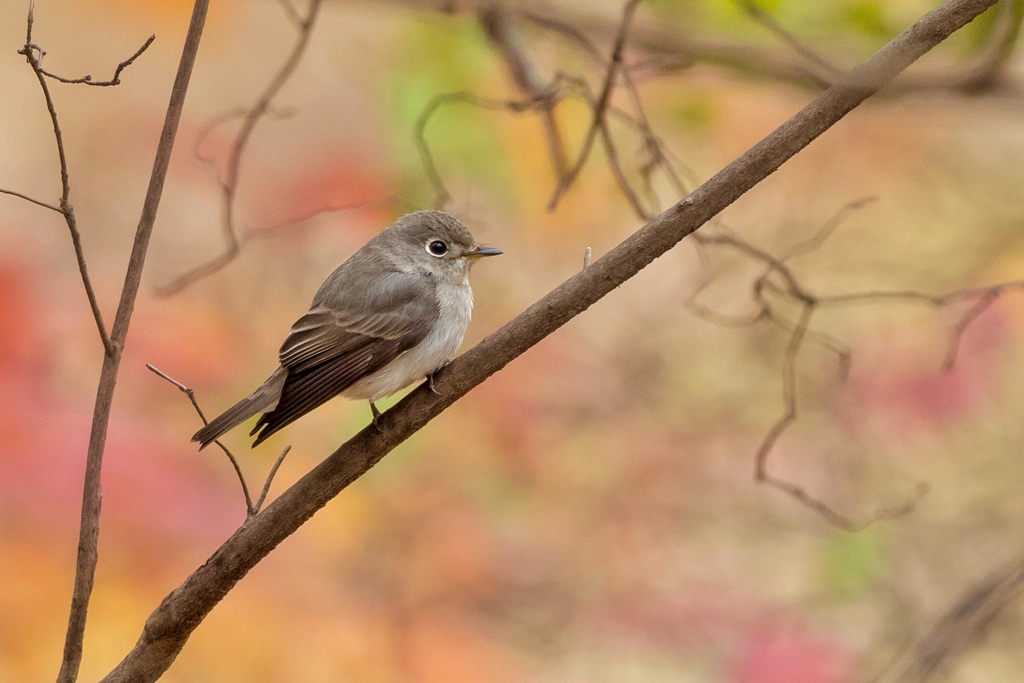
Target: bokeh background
x: 589, y: 513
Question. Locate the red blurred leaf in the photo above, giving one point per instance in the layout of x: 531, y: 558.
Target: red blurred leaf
x: 18, y: 317
x: 779, y: 654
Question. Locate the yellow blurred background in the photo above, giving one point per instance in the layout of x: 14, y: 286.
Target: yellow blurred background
x: 589, y: 513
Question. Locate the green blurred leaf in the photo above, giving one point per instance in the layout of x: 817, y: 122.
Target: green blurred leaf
x: 852, y: 563
x: 868, y: 17
x: 697, y: 110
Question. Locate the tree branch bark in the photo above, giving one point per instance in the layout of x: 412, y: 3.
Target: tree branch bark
x: 92, y: 497
x: 170, y: 625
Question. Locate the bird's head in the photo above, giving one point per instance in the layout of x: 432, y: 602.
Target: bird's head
x: 434, y: 242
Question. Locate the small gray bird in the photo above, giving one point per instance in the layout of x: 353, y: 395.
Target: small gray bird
x: 392, y: 314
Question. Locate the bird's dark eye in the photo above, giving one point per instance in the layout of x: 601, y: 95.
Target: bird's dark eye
x: 437, y: 248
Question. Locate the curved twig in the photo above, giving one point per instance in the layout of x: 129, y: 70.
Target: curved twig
x: 87, y: 79
x: 442, y: 196
x: 250, y: 118
x: 188, y: 391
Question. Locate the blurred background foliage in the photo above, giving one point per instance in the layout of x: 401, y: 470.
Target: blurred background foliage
x: 589, y: 513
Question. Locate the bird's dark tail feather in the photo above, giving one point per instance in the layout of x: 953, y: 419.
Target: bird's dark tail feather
x: 263, y: 399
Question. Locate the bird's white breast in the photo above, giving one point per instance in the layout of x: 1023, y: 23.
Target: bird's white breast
x: 455, y: 304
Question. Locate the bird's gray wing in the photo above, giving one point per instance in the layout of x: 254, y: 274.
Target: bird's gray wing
x: 332, y: 347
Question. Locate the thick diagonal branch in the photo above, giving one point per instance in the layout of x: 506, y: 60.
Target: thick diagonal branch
x: 171, y: 624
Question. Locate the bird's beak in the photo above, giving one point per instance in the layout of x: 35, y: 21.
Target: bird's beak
x: 479, y: 252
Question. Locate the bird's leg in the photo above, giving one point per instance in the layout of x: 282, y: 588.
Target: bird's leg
x: 430, y: 378
x: 376, y: 416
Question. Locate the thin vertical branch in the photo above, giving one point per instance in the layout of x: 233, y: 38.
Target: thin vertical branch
x: 85, y: 568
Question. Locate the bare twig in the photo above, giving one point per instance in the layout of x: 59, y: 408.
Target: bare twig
x: 291, y: 12
x: 828, y: 69
x: 51, y: 207
x: 251, y: 509
x: 561, y: 87
x: 798, y: 332
x: 611, y: 150
x: 792, y: 290
x: 587, y: 256
x: 874, y: 296
x: 620, y: 176
x: 669, y: 50
x: 659, y: 156
x: 969, y: 316
x: 983, y: 298
x: 761, y: 474
x: 250, y: 118
x: 655, y: 147
x: 791, y: 285
x: 442, y: 196
x: 188, y: 391
x: 496, y: 22
x: 227, y: 117
x: 270, y: 480
x: 566, y: 29
x: 87, y: 79
x: 170, y: 625
x: 582, y: 89
x: 814, y: 242
x: 598, y: 121
x: 85, y: 569
x: 33, y: 55
x: 290, y: 224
